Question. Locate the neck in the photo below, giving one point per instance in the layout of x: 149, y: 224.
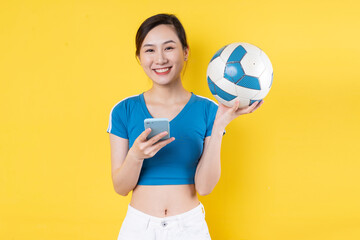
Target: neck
x: 167, y: 93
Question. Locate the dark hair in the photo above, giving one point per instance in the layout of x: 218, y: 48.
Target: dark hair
x: 151, y: 22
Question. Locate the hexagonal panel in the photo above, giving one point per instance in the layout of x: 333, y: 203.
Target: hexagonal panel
x: 220, y: 100
x: 243, y: 102
x: 233, y: 72
x: 265, y: 59
x: 251, y: 48
x: 224, y: 94
x: 211, y: 85
x: 226, y: 86
x: 245, y: 92
x: 249, y: 82
x: 215, y: 69
x: 252, y: 65
x: 236, y: 55
x: 265, y: 79
x: 262, y: 94
x: 228, y: 50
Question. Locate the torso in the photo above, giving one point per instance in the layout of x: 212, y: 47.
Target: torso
x: 165, y: 200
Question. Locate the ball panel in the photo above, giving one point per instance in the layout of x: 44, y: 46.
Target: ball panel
x: 211, y: 85
x: 261, y: 94
x: 252, y: 101
x: 220, y: 100
x: 265, y: 59
x: 224, y: 93
x: 233, y: 72
x: 245, y: 92
x: 242, y: 101
x: 226, y: 85
x: 249, y: 82
x: 227, y: 51
x: 252, y: 65
x: 215, y: 69
x: 265, y: 79
x: 238, y: 53
x: 251, y: 48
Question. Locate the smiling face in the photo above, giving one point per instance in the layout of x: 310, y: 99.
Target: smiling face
x: 162, y: 56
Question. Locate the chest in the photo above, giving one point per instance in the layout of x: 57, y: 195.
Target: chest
x: 165, y: 111
x: 188, y: 126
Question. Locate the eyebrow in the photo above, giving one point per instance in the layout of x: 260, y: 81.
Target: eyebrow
x: 149, y: 45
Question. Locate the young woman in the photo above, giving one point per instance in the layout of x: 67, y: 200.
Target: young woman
x: 166, y: 175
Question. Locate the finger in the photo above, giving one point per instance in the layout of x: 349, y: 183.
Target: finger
x: 161, y: 144
x: 260, y: 103
x: 250, y: 107
x: 157, y: 137
x: 235, y: 106
x: 144, y: 134
x: 246, y: 110
x: 254, y: 104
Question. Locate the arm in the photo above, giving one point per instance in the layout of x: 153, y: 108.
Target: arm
x: 208, y: 170
x: 126, y: 164
x: 125, y: 170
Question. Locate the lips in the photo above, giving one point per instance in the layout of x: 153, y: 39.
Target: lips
x: 162, y: 71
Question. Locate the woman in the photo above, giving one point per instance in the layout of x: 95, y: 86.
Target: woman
x: 165, y: 175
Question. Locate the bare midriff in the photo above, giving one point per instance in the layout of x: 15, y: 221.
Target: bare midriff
x: 164, y: 200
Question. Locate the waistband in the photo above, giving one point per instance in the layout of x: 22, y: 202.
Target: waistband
x: 182, y: 216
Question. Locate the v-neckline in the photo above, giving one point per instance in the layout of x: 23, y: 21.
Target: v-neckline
x: 179, y: 115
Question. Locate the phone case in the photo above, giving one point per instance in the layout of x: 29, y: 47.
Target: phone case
x: 157, y: 126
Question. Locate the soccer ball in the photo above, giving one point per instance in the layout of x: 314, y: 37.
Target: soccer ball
x: 239, y: 71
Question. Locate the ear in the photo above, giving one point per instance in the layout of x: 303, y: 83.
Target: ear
x: 186, y: 53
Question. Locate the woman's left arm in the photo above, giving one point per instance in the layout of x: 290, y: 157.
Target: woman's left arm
x: 208, y: 170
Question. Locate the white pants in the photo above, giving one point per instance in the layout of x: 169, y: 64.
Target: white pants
x: 190, y: 225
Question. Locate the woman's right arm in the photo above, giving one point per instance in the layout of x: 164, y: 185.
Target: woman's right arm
x: 126, y: 164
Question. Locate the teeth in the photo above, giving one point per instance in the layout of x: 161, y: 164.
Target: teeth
x: 162, y: 70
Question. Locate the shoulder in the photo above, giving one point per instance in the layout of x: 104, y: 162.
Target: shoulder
x: 207, y: 102
x: 126, y: 103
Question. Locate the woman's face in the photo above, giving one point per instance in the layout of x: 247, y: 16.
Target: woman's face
x: 162, y: 55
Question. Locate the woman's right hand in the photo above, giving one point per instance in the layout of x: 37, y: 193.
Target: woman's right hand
x: 143, y: 148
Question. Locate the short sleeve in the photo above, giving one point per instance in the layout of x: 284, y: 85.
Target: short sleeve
x: 118, y: 120
x: 211, y: 114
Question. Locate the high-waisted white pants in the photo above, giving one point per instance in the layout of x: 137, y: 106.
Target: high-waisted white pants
x: 190, y: 225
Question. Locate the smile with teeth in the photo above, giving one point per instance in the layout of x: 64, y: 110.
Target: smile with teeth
x: 162, y: 70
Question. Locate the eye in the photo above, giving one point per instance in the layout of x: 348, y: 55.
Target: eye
x: 149, y: 50
x: 169, y: 48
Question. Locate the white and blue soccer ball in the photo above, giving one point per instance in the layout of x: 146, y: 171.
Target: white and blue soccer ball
x: 239, y: 71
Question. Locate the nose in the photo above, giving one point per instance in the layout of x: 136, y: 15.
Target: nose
x: 160, y: 58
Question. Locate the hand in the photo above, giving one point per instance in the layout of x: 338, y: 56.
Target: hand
x: 143, y: 148
x: 225, y: 115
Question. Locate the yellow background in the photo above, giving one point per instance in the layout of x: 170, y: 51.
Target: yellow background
x: 289, y: 171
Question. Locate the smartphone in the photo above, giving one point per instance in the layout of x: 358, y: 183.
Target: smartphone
x: 157, y: 126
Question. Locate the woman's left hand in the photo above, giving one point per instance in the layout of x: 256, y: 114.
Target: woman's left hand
x: 225, y: 115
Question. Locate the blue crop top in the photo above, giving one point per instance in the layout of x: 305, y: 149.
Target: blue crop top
x: 176, y: 162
